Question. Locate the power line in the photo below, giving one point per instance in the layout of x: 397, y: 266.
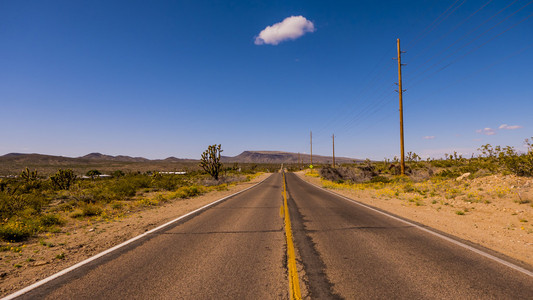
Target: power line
x: 474, y: 49
x: 344, y: 113
x: 423, y: 33
x: 467, y: 34
x: 452, y: 30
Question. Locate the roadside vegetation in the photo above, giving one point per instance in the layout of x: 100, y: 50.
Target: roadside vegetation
x: 437, y: 181
x: 32, y: 205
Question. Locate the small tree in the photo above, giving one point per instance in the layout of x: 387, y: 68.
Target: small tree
x: 93, y: 173
x: 210, y: 161
x: 28, y: 175
x: 63, y: 179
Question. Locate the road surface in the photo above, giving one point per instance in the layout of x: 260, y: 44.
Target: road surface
x: 237, y: 250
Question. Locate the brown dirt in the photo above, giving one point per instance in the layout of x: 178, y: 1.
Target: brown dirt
x: 486, y: 211
x: 26, y: 263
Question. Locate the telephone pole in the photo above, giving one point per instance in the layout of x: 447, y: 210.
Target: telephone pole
x: 299, y: 161
x: 400, y: 91
x: 333, y: 136
x: 311, y: 136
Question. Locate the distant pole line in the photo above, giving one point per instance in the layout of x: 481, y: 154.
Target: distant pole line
x: 311, y: 138
x: 333, y: 136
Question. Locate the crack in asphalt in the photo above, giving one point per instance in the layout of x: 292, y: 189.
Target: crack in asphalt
x: 359, y: 228
x: 317, y: 281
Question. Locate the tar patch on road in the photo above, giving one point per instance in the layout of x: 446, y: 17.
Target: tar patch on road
x: 317, y: 281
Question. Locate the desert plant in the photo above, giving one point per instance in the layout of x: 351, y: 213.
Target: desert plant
x: 118, y: 173
x: 28, y: 175
x: 93, y: 173
x: 16, y: 231
x: 14, y: 204
x: 210, y: 161
x: 63, y: 179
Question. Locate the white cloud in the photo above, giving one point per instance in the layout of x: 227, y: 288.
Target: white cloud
x: 289, y: 29
x: 510, y: 127
x: 486, y: 131
x: 428, y: 137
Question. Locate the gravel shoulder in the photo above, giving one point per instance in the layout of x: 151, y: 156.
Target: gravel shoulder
x: 500, y: 224
x: 41, y: 257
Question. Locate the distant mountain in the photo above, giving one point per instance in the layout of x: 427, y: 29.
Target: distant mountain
x: 274, y: 157
x: 33, y: 157
x: 100, y: 156
x: 175, y: 159
x: 278, y: 157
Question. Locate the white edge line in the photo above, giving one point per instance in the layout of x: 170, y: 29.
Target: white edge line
x: 90, y: 259
x: 480, y: 252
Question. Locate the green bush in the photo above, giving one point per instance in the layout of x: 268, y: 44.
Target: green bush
x: 15, y: 205
x: 123, y: 188
x: 187, y: 192
x: 16, y: 231
x: 50, y: 220
x: 167, y: 182
x: 91, y: 210
x: 449, y: 173
x: 379, y: 179
x: 63, y: 179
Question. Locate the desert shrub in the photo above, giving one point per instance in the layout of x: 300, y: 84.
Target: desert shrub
x: 93, y: 173
x: 167, y: 182
x: 519, y: 164
x: 118, y: 173
x: 187, y: 192
x: 50, y: 220
x: 125, y: 187
x: 332, y: 174
x: 17, y: 231
x: 63, y: 179
x: 117, y: 205
x: 345, y: 174
x: 17, y: 205
x: 91, y: 210
x: 378, y: 178
x: 139, y: 181
x: 449, y: 173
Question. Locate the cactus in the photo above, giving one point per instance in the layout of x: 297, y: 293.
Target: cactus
x: 28, y: 175
x: 210, y: 161
x: 63, y: 179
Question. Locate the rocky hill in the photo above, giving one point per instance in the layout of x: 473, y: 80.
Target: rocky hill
x: 258, y: 157
x: 282, y: 157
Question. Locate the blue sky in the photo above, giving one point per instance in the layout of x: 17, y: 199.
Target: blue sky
x: 169, y: 78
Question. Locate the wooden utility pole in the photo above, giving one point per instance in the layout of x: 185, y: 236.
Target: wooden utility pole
x: 333, y: 136
x: 299, y: 161
x: 311, y: 136
x: 401, y: 108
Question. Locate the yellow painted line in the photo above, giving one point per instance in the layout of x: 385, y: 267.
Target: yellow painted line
x: 294, y: 282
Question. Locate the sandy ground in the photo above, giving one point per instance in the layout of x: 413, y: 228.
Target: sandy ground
x: 497, y: 222
x: 43, y: 256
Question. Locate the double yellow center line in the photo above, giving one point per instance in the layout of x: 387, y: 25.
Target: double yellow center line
x: 294, y: 283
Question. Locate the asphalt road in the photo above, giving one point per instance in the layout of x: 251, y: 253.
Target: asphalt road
x: 234, y: 250
x: 355, y: 253
x: 237, y: 250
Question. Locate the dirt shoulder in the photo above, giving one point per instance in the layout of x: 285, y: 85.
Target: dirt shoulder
x: 26, y: 263
x: 494, y: 217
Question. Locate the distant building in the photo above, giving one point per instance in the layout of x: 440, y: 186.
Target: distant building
x: 173, y: 173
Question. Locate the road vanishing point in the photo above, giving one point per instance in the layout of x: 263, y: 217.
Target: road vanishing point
x: 238, y: 248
